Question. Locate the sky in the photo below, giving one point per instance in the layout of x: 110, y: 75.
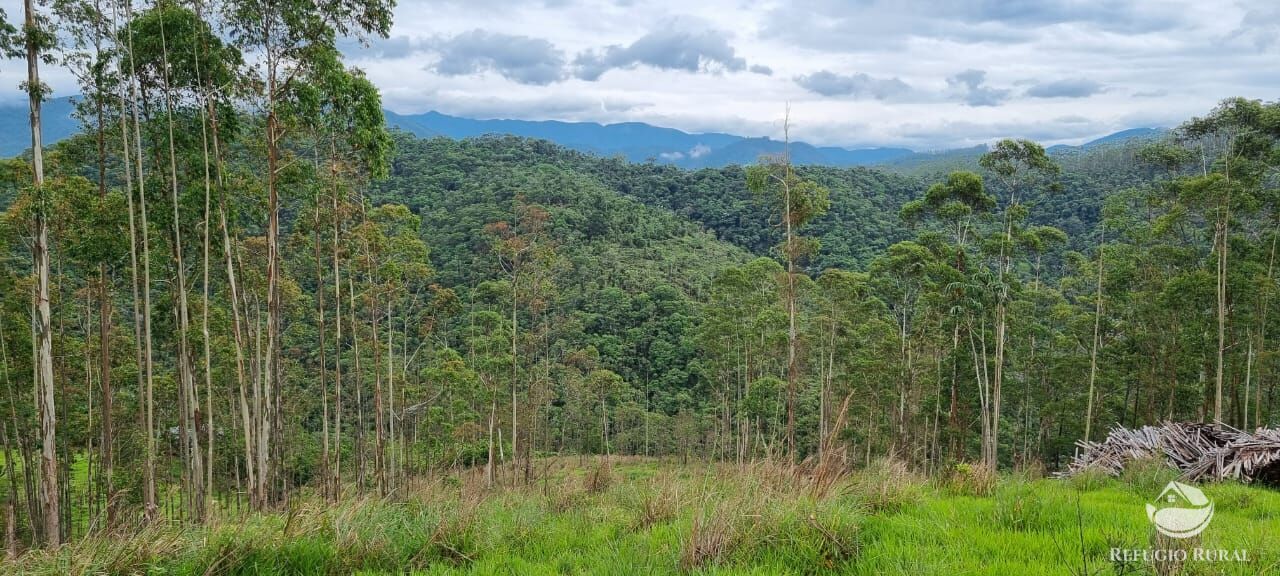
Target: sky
x: 923, y: 74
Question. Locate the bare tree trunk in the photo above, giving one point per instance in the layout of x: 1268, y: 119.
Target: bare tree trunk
x: 272, y: 370
x: 389, y: 460
x: 259, y: 402
x: 514, y: 374
x: 205, y: 119
x: 147, y: 384
x: 337, y: 341
x: 43, y: 332
x: 356, y: 378
x: 379, y: 417
x: 104, y: 293
x: 1262, y: 327
x: 325, y: 466
x: 195, y: 460
x: 1221, y: 238
x: 1097, y: 342
x: 11, y: 516
x: 488, y: 466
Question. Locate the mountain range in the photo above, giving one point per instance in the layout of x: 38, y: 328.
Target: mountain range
x: 635, y: 141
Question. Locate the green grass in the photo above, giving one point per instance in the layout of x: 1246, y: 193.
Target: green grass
x: 648, y: 517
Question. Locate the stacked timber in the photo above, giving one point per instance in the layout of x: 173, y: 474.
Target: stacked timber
x: 1198, y: 451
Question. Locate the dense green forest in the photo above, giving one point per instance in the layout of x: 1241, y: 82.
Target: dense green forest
x: 235, y: 287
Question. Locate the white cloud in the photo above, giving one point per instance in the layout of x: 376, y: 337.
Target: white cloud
x: 972, y: 66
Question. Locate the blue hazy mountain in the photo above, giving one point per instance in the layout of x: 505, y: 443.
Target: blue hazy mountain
x: 15, y: 123
x: 641, y: 142
x: 1121, y: 137
x: 635, y: 141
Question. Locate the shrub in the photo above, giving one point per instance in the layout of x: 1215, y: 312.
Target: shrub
x: 1032, y: 469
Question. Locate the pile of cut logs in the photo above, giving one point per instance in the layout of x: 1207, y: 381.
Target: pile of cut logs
x: 1198, y: 451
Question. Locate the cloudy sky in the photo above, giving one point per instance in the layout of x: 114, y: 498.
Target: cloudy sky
x: 926, y: 74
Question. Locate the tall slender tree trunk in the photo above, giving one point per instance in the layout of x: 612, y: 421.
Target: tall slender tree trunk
x: 515, y: 331
x: 793, y: 367
x: 11, y: 515
x: 43, y: 328
x: 389, y: 458
x: 272, y: 371
x: 337, y: 340
x: 1097, y: 342
x: 190, y: 400
x: 326, y: 464
x: 356, y: 378
x: 10, y: 511
x: 147, y: 384
x: 1222, y: 229
x: 104, y: 291
x: 237, y: 317
x: 379, y: 408
x: 1262, y: 326
x: 205, y: 119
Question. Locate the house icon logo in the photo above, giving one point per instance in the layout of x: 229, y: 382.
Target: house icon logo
x: 1181, y: 511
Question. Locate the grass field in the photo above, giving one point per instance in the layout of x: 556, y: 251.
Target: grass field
x: 648, y: 517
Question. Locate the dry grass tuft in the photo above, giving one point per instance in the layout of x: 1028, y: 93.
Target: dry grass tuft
x: 1089, y: 479
x: 966, y: 479
x: 660, y: 503
x: 887, y: 485
x: 711, y: 539
x: 838, y: 539
x: 598, y: 478
x: 1170, y: 563
x: 1148, y: 476
x: 833, y: 461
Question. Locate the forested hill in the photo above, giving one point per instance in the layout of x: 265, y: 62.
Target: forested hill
x: 458, y: 184
x: 455, y: 182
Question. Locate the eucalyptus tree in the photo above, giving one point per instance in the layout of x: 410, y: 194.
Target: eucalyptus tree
x: 959, y: 207
x: 139, y: 237
x: 743, y: 328
x: 39, y: 42
x: 345, y: 114
x: 844, y: 307
x: 89, y: 56
x: 175, y: 53
x: 1237, y: 144
x: 289, y: 38
x: 525, y: 254
x: 795, y: 201
x: 1020, y: 166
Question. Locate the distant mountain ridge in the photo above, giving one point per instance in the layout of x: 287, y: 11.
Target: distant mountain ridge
x: 15, y: 125
x: 636, y: 141
x: 640, y: 142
